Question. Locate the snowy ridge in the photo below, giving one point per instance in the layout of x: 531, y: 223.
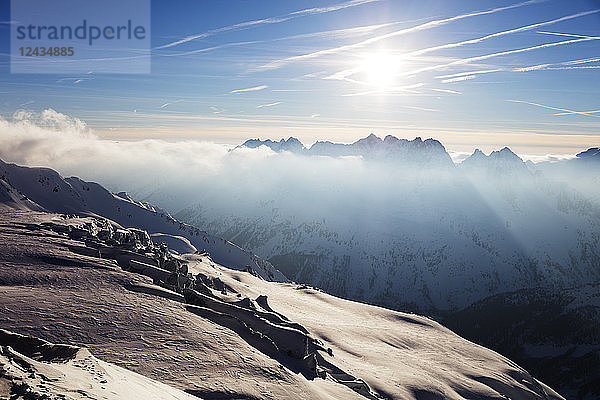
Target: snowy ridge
x: 51, y: 192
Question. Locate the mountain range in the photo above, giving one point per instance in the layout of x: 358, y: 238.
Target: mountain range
x: 396, y: 224
x: 92, y: 308
x: 428, y: 236
x: 428, y: 152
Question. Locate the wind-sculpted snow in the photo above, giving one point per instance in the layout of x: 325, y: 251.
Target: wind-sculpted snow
x: 231, y: 335
x: 35, y: 369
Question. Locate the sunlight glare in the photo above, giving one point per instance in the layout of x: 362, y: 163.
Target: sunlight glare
x: 380, y: 69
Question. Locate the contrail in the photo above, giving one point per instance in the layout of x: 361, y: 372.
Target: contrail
x: 483, y: 71
x: 269, y: 105
x: 271, y: 20
x: 460, y: 78
x: 538, y: 67
x: 398, y: 89
x: 563, y: 34
x: 344, y: 74
x: 207, y: 49
x: 582, y: 112
x: 555, y: 108
x: 502, y: 33
x: 581, y: 61
x: 566, y: 65
x: 498, y: 54
x: 427, y: 25
x: 360, y: 30
x: 251, y: 89
x: 446, y: 91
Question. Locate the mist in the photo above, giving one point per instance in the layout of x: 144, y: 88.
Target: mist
x: 430, y: 233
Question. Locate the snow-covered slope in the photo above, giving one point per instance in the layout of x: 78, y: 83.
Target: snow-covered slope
x: 554, y: 334
x: 235, y: 336
x: 11, y: 198
x: 52, y: 192
x: 35, y: 369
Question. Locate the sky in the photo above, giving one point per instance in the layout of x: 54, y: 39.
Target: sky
x: 483, y: 74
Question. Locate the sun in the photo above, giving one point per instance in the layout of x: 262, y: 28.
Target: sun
x: 380, y: 69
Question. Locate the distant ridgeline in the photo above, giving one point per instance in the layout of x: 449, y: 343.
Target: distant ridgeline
x: 427, y: 152
x: 372, y: 147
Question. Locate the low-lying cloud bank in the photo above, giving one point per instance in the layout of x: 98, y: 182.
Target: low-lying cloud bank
x: 144, y: 167
x: 55, y: 140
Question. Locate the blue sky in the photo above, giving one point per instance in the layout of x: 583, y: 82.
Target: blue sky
x: 339, y: 70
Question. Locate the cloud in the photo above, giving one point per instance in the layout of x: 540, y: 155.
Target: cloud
x: 269, y: 104
x: 552, y: 158
x: 459, y: 156
x: 68, y: 145
x: 250, y: 89
x: 428, y: 25
x: 175, y: 174
x: 271, y: 20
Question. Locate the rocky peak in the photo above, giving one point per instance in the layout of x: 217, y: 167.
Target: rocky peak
x: 592, y: 153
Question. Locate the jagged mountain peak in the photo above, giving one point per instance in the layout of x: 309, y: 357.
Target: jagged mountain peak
x: 390, y: 148
x: 291, y: 144
x: 370, y: 141
x: 371, y: 138
x: 506, y: 154
x: 503, y: 159
x: 593, y: 153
